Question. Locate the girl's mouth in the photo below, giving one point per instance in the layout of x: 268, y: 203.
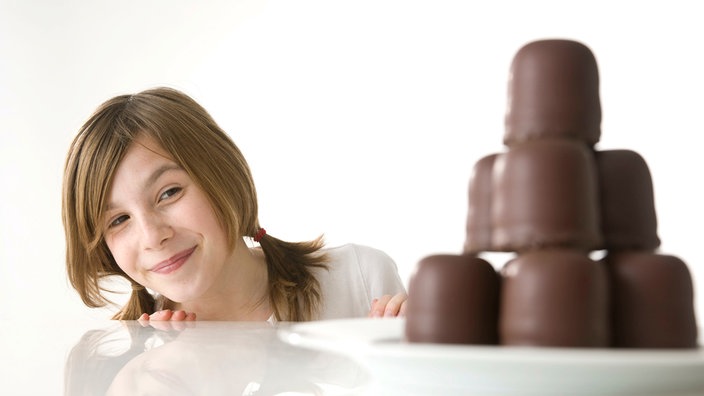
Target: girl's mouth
x: 175, y: 262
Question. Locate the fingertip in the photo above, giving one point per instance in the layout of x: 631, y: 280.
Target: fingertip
x: 164, y: 314
x: 144, y: 320
x: 402, y: 311
x: 179, y: 315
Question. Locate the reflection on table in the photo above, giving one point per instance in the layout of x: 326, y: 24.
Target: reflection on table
x: 204, y: 358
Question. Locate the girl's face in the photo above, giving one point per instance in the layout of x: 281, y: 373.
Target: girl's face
x: 160, y: 226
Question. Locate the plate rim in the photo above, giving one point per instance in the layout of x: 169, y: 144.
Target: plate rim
x: 389, y: 343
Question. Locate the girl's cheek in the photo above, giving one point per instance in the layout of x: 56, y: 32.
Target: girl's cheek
x: 117, y: 245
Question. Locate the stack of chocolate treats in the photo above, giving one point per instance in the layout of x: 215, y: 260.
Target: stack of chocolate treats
x: 556, y: 202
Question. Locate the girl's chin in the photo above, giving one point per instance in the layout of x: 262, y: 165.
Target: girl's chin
x: 174, y: 300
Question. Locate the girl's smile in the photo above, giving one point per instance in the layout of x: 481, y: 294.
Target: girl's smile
x: 174, y: 263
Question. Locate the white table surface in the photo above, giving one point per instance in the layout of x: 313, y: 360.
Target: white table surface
x: 347, y: 357
x: 125, y: 358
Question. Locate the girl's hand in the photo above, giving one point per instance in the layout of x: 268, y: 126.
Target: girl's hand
x: 168, y: 320
x: 388, y: 306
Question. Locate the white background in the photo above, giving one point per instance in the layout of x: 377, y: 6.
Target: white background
x: 360, y: 119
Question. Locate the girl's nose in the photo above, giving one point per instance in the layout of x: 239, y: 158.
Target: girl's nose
x: 156, y: 231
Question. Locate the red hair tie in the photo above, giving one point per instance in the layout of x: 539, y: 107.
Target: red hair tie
x: 259, y: 235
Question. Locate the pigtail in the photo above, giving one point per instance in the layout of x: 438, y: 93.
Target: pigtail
x: 294, y: 290
x: 140, y: 301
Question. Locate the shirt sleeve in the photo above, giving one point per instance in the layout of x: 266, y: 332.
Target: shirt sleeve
x: 379, y: 271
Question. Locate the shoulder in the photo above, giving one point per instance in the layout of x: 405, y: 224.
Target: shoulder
x: 354, y: 252
x: 365, y: 259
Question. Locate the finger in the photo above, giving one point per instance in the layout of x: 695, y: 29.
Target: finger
x: 168, y: 320
x: 178, y: 315
x: 161, y: 315
x: 144, y: 320
x: 393, y: 307
x: 402, y: 311
x: 160, y: 320
x: 379, y: 307
x: 371, y: 310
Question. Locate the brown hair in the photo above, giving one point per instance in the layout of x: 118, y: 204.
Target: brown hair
x: 188, y: 133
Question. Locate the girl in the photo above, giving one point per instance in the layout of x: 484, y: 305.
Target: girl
x: 155, y: 192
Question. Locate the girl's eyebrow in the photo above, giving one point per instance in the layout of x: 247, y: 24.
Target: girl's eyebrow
x: 153, y: 177
x: 158, y: 172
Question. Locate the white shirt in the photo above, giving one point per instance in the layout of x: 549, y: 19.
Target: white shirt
x: 355, y: 276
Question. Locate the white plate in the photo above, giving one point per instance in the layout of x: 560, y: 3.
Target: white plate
x: 399, y: 367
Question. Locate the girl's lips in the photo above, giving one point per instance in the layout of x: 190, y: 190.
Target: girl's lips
x: 173, y: 263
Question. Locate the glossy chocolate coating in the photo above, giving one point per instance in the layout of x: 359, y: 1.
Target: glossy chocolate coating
x: 545, y: 194
x: 554, y: 298
x: 652, y: 301
x: 628, y: 218
x: 453, y: 299
x: 553, y: 93
x: 479, y: 226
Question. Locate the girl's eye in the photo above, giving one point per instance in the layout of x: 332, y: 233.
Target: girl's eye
x: 118, y: 220
x: 170, y: 193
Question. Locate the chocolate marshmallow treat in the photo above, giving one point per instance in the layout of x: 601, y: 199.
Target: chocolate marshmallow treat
x: 545, y: 194
x: 554, y: 298
x: 628, y: 219
x: 652, y: 301
x: 479, y: 226
x: 553, y: 93
x: 453, y: 299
